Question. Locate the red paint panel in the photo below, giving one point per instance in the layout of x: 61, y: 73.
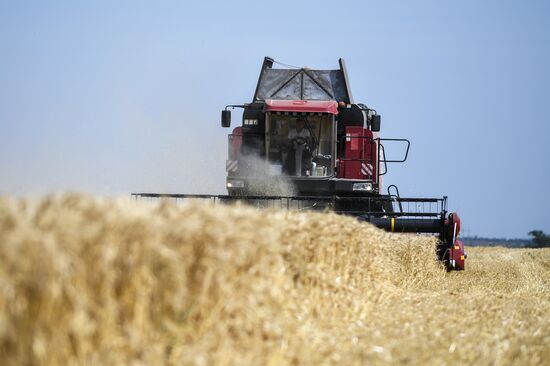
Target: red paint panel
x: 458, y: 255
x: 360, y: 155
x: 457, y: 249
x: 303, y: 106
x: 235, y: 143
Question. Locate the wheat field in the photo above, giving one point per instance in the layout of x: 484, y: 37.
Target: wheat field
x: 87, y: 280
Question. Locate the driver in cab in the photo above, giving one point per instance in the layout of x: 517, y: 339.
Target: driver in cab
x: 299, y: 138
x: 299, y: 130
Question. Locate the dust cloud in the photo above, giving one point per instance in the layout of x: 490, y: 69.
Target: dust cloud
x: 267, y: 179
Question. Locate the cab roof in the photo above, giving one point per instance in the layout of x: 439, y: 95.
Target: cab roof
x: 302, y: 106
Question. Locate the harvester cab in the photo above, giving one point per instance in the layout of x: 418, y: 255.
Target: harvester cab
x: 303, y: 125
x: 304, y: 143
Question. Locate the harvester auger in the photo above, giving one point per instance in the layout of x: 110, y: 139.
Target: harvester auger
x: 304, y: 143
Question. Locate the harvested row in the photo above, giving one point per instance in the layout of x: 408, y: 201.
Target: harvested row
x: 98, y: 281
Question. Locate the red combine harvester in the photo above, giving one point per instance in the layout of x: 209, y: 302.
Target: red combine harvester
x: 305, y: 144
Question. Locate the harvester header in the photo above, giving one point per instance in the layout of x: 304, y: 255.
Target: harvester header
x: 304, y: 143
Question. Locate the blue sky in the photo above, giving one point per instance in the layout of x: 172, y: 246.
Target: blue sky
x: 114, y: 97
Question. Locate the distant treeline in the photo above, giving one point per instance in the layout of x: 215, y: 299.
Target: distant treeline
x: 540, y: 240
x: 496, y: 242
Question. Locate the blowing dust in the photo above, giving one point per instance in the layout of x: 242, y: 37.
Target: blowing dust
x: 98, y: 281
x: 267, y: 180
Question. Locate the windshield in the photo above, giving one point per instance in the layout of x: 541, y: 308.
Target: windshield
x: 300, y: 145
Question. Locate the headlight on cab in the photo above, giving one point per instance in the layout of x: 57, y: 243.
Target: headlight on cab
x: 362, y: 187
x: 234, y: 183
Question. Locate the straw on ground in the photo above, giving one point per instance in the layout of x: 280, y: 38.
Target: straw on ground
x: 99, y: 281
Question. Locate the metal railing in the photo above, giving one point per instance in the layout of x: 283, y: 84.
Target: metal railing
x: 377, y: 151
x: 376, y: 206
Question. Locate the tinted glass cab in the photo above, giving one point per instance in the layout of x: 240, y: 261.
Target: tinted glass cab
x: 300, y: 145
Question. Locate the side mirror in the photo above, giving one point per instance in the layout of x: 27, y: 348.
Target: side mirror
x: 375, y: 123
x: 226, y: 118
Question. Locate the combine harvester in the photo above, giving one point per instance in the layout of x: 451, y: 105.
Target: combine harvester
x: 305, y: 144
